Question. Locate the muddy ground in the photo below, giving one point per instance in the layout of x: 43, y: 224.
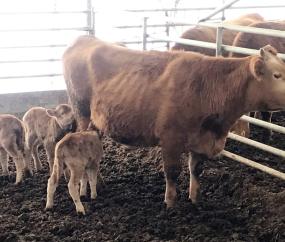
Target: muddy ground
x: 240, y: 203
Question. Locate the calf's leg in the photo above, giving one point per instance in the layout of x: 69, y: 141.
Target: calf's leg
x: 73, y: 187
x: 83, y: 185
x: 4, y: 162
x: 18, y: 160
x: 195, y: 167
x: 50, y: 147
x: 52, y: 184
x: 92, y: 177
x: 33, y: 145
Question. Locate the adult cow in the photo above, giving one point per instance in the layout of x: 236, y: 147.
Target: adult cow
x: 207, y: 34
x: 254, y: 41
x: 183, y: 101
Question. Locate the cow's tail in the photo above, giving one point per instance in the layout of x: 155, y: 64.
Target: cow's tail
x: 20, y: 139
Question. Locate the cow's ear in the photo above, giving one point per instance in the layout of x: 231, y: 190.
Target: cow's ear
x: 51, y: 112
x: 257, y: 68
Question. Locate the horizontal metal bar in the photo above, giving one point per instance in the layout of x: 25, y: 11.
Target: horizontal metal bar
x: 23, y: 61
x: 195, y: 9
x: 257, y: 145
x: 246, y: 29
x: 149, y: 25
x: 31, y: 46
x: 87, y: 28
x: 254, y: 164
x: 263, y: 124
x: 208, y: 45
x: 31, y: 76
x: 184, y: 41
x: 46, y: 12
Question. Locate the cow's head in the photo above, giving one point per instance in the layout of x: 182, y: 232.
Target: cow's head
x: 267, y: 91
x: 63, y: 115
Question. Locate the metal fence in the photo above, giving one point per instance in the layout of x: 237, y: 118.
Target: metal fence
x: 153, y: 38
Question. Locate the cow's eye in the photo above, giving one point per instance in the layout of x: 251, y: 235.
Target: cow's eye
x: 277, y: 76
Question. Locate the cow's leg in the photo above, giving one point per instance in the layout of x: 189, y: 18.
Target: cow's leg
x: 73, y: 187
x: 33, y: 144
x: 92, y: 178
x: 50, y: 147
x: 267, y: 133
x: 195, y: 167
x: 4, y: 162
x: 83, y: 185
x: 172, y: 170
x: 52, y: 184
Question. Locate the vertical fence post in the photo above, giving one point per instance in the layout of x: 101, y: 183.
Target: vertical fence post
x: 167, y: 32
x: 144, y: 32
x: 89, y: 16
x: 219, y: 41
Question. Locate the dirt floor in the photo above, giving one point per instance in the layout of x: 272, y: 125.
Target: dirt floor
x: 240, y: 203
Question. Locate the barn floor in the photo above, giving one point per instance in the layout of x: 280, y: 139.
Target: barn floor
x: 240, y: 203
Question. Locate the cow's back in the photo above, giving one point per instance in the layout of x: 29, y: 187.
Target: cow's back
x: 207, y: 34
x: 253, y: 41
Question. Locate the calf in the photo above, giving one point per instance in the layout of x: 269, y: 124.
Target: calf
x: 47, y: 126
x: 12, y: 143
x: 80, y: 153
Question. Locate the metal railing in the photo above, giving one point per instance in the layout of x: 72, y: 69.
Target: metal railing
x: 219, y: 47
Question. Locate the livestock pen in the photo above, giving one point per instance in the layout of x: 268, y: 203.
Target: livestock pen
x: 241, y: 203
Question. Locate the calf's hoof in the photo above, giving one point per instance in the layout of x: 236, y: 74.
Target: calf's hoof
x: 80, y: 214
x: 19, y: 183
x: 171, y: 204
x: 28, y: 173
x: 48, y: 209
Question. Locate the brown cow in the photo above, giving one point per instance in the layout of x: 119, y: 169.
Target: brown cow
x: 254, y: 41
x: 80, y: 153
x: 183, y: 101
x: 207, y: 34
x: 12, y: 143
x: 47, y: 126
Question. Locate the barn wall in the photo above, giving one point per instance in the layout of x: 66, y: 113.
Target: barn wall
x: 18, y: 103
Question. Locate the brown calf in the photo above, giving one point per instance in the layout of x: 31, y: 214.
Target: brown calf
x: 80, y: 153
x: 12, y: 143
x: 184, y: 101
x: 47, y: 126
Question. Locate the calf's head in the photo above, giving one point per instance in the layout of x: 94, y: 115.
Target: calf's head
x: 63, y: 115
x: 267, y: 91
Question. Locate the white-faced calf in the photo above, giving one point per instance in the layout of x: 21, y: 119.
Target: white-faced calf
x: 47, y: 127
x: 80, y: 153
x: 12, y: 144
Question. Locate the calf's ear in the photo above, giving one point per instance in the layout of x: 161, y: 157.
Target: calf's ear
x: 257, y: 68
x: 51, y: 112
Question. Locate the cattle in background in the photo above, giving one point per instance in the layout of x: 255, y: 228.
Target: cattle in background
x: 207, y: 34
x: 254, y: 41
x: 47, y: 127
x: 183, y: 101
x: 12, y: 144
x: 80, y: 153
